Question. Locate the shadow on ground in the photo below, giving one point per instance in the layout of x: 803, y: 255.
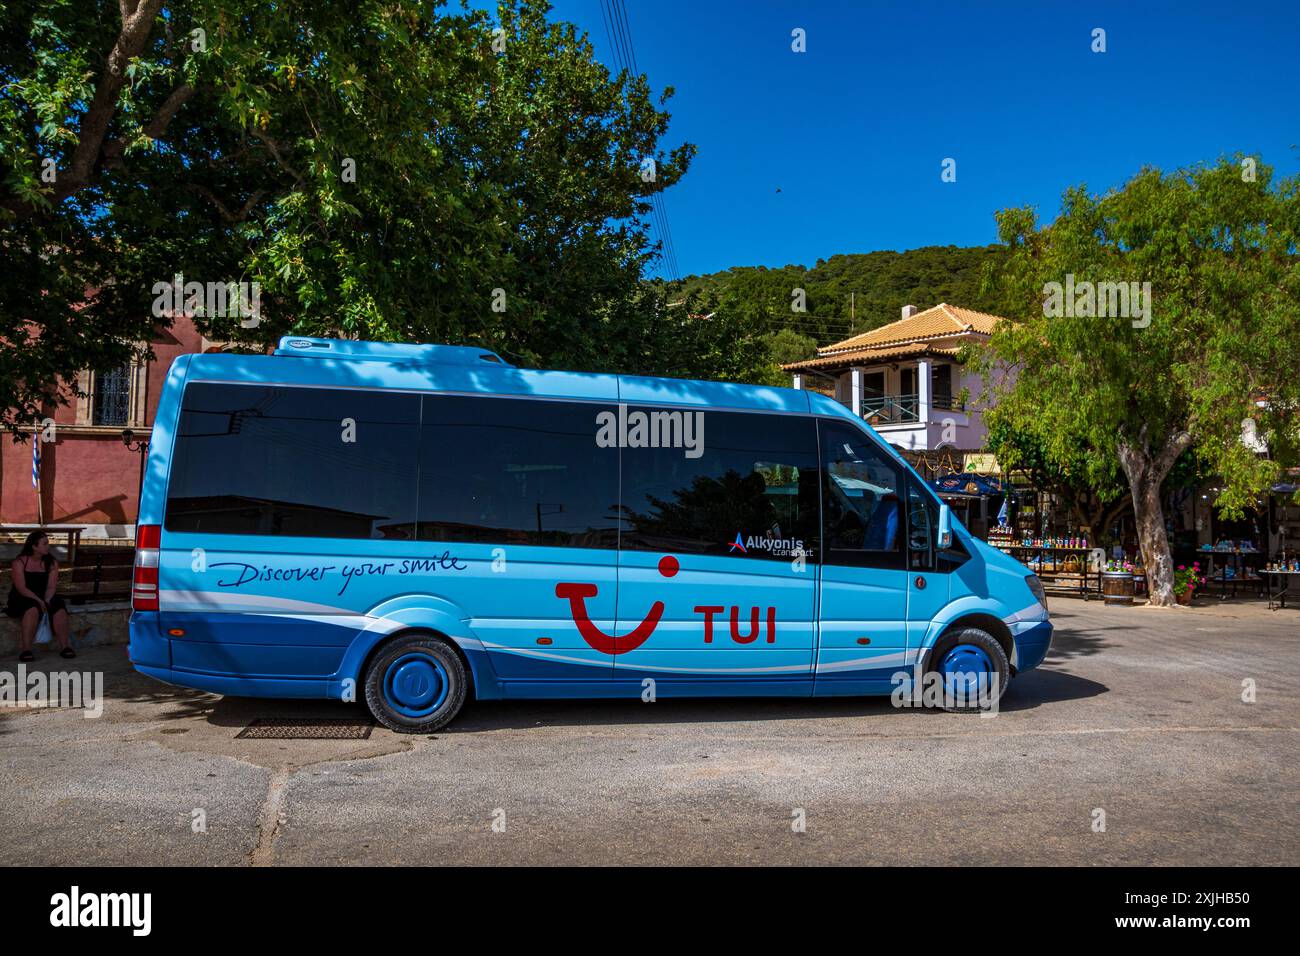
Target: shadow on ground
x: 1045, y: 685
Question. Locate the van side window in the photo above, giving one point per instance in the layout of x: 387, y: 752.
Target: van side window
x: 744, y: 487
x: 862, y: 516
x: 516, y: 471
x: 922, y: 524
x: 310, y: 462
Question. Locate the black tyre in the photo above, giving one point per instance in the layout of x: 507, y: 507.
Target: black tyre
x: 971, y: 665
x: 416, y: 684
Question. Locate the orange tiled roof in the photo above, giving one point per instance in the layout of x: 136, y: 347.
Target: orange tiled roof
x: 939, y: 322
x: 870, y: 356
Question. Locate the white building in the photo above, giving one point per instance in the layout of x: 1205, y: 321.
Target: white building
x: 906, y: 379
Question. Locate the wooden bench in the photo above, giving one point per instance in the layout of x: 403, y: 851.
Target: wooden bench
x: 98, y: 573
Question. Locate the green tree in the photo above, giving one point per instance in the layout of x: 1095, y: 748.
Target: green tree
x: 1218, y: 351
x: 385, y: 169
x: 1092, y: 486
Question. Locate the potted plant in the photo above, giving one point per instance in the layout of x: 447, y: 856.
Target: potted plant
x: 1186, y: 582
x: 1117, y: 583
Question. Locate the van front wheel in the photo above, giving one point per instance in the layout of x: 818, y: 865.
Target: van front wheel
x: 972, y: 669
x: 415, y: 684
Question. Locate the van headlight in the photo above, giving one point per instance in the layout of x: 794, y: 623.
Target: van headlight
x: 1036, y: 587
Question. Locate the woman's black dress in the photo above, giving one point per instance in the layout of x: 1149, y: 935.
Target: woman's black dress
x: 36, y: 582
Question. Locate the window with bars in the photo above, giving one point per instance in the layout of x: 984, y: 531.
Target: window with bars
x: 111, y: 396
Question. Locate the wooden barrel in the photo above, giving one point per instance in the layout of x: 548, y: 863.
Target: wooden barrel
x: 1117, y: 587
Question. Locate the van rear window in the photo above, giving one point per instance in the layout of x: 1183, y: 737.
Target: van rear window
x: 310, y: 462
x: 352, y: 463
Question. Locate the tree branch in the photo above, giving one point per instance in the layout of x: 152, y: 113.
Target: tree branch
x: 222, y: 209
x: 274, y: 148
x: 1177, y: 443
x: 114, y: 151
x: 137, y: 23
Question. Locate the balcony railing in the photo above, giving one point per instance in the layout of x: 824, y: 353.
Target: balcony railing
x: 902, y: 409
x: 892, y: 409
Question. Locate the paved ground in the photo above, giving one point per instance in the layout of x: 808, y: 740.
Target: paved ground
x: 1137, y: 713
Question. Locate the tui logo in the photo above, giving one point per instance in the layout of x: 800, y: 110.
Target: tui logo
x: 577, y: 594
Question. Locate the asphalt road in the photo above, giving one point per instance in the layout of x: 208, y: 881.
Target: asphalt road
x: 1137, y: 713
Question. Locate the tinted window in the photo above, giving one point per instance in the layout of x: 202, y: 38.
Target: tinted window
x: 266, y: 459
x: 516, y: 471
x: 750, y: 493
x: 862, y: 507
x: 922, y: 526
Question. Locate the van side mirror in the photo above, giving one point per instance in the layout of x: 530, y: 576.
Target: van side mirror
x: 945, y: 527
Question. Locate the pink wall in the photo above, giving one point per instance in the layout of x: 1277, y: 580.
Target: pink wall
x: 88, y: 476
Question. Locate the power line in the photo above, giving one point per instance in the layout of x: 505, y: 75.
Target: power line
x: 619, y: 33
x: 657, y: 198
x: 668, y: 235
x: 627, y: 31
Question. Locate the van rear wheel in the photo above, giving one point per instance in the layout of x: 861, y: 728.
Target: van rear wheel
x: 416, y: 684
x: 972, y: 669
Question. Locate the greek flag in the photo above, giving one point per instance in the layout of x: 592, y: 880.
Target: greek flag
x: 1003, y: 513
x: 36, y: 461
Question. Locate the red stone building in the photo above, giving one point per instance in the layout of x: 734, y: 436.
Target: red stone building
x: 89, y: 476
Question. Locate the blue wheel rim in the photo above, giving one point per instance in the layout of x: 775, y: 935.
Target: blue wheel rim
x: 967, y: 671
x: 416, y: 684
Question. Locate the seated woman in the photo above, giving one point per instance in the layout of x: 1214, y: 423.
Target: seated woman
x: 36, y: 576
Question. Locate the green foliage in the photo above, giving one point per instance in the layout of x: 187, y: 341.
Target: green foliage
x: 1091, y: 486
x: 485, y: 176
x: 847, y: 294
x: 1065, y: 467
x: 1222, y: 346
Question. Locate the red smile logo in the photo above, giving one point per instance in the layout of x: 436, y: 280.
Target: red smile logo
x: 577, y: 595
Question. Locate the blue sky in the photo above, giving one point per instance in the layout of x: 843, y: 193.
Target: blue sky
x: 854, y: 131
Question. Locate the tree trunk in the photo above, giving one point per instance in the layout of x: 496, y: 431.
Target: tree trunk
x: 1159, y: 563
x: 1146, y: 473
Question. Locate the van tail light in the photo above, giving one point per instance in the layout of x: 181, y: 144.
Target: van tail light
x: 144, y: 582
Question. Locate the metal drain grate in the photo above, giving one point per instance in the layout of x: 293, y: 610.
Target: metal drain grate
x: 306, y: 728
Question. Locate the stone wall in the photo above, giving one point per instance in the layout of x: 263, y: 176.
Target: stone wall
x: 89, y: 624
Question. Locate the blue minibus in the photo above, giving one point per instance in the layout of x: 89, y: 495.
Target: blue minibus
x: 415, y: 525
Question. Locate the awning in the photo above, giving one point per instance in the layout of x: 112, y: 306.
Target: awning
x: 967, y: 483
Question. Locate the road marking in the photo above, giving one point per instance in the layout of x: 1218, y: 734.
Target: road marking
x: 271, y: 819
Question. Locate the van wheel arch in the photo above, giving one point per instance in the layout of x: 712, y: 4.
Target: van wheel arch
x: 994, y: 626
x: 426, y: 632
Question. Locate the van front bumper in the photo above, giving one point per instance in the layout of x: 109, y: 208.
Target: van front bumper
x: 1032, y: 646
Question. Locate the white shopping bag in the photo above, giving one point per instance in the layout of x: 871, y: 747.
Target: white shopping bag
x: 43, y: 632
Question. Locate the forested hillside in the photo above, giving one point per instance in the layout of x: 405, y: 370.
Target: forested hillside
x: 843, y: 295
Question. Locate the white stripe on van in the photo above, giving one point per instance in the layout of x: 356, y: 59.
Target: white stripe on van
x: 182, y: 600
x: 1026, y: 618
x: 899, y: 659
x: 548, y: 655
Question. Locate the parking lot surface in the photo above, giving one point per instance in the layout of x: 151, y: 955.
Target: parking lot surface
x: 1131, y: 745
